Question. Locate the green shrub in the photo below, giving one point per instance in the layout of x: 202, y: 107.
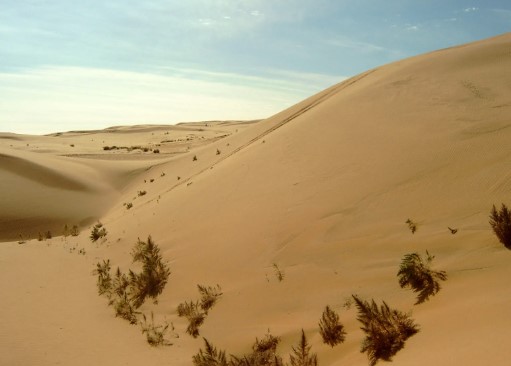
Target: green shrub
x: 500, y: 222
x: 386, y: 330
x: 415, y: 272
x: 331, y: 330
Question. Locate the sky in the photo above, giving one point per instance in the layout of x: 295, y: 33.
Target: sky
x: 89, y: 64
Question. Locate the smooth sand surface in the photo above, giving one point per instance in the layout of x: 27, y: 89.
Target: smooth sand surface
x: 322, y: 189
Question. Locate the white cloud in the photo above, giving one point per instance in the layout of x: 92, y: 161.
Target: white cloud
x: 50, y: 99
x: 412, y: 27
x: 470, y: 9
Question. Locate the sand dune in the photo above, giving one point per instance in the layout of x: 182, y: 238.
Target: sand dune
x: 321, y: 189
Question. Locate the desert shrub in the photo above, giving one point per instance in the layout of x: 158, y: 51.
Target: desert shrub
x: 386, y: 330
x: 411, y: 225
x: 65, y: 231
x: 415, y: 272
x: 106, y: 148
x: 98, y: 231
x: 75, y: 231
x: 155, y: 272
x: 500, y: 222
x: 301, y: 354
x: 331, y: 330
x: 156, y: 151
x: 155, y: 334
x: 209, y: 296
x: 47, y: 235
x: 264, y: 353
x: 192, y: 311
x: 141, y: 193
x: 129, y: 205
x: 278, y: 272
x: 104, y: 282
x: 210, y: 356
x: 120, y: 297
x: 218, y: 152
x: 194, y: 158
x: 40, y: 237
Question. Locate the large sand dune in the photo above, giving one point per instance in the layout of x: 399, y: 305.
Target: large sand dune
x: 322, y: 189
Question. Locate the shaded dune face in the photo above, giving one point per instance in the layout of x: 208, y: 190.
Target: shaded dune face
x: 40, y: 174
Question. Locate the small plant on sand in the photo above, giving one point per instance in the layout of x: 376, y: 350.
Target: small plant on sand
x: 302, y: 355
x: 278, y: 272
x: 386, y: 330
x: 194, y: 158
x: 141, y: 193
x: 500, y: 222
x: 209, y: 296
x: 411, y: 225
x: 47, y: 235
x: 155, y: 272
x: 210, y: 356
x: 120, y: 298
x: 98, y: 232
x: 128, y: 205
x: 415, y: 272
x: 192, y: 311
x: 75, y: 231
x: 40, y: 237
x: 331, y: 330
x: 104, y: 282
x: 264, y: 353
x: 65, y: 231
x: 197, y: 311
x: 155, y: 334
x: 218, y: 152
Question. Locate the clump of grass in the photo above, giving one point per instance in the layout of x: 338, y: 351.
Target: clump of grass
x: 128, y: 205
x: 264, y: 353
x: 211, y: 356
x: 302, y: 355
x: 197, y: 311
x: 209, y: 296
x: 155, y: 272
x: 415, y: 272
x: 194, y: 158
x: 192, y: 311
x: 156, y: 151
x: 278, y: 272
x: 98, y: 232
x: 74, y: 231
x: 331, y: 330
x: 47, y: 235
x: 155, y: 334
x: 127, y: 292
x: 500, y: 222
x: 411, y: 225
x: 141, y: 193
x: 386, y: 330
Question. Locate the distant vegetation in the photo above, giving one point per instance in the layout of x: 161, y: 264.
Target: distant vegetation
x: 415, y: 272
x: 500, y: 222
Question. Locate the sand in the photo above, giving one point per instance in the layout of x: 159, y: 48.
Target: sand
x: 322, y: 190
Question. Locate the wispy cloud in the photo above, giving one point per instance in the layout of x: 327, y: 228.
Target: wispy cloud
x: 470, y: 9
x: 53, y: 98
x: 355, y: 45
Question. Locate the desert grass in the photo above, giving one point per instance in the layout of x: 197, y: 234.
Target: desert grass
x: 331, y: 330
x: 415, y: 272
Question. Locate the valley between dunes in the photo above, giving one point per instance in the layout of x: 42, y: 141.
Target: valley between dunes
x: 322, y: 190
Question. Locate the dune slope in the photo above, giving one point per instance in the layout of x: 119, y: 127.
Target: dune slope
x: 322, y: 190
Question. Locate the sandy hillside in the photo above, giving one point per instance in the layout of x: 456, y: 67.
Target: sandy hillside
x: 321, y: 190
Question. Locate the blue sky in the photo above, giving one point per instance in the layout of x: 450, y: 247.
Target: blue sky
x: 68, y: 64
